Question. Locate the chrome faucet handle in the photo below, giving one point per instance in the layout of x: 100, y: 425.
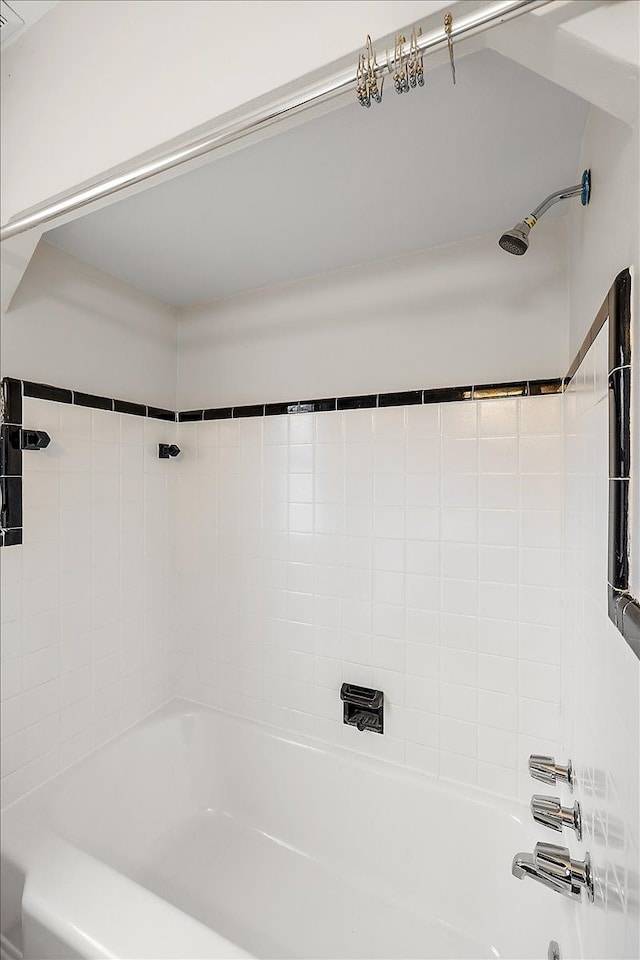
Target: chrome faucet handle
x: 550, y: 813
x: 568, y: 876
x: 548, y: 771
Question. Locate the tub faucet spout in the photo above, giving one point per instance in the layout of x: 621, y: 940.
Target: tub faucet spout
x: 553, y: 867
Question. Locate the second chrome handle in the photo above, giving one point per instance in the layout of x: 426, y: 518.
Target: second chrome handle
x: 550, y: 813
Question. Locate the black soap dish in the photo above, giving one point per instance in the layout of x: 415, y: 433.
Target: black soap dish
x: 363, y: 707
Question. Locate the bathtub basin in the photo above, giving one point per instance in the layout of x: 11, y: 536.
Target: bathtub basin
x: 198, y: 834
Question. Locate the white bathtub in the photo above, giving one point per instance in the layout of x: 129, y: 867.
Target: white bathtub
x: 197, y: 834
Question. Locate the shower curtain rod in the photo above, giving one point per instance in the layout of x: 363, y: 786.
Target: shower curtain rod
x: 337, y: 84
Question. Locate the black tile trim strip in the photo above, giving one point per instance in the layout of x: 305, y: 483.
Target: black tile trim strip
x: 624, y: 609
x: 187, y: 416
x: 447, y: 395
x: 13, y: 391
x: 486, y: 391
x: 11, y: 464
x: 11, y: 538
x: 44, y: 391
x: 12, y: 397
x: 135, y: 409
x: 93, y: 401
x: 217, y: 413
x: 250, y: 410
x: 159, y: 413
x: 357, y: 403
x: 400, y: 399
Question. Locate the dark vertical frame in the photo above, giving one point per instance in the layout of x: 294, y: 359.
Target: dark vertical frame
x: 624, y: 609
x: 11, y: 464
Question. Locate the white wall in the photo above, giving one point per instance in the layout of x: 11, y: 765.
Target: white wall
x: 601, y: 677
x: 463, y: 313
x: 86, y: 598
x: 413, y: 549
x: 73, y: 326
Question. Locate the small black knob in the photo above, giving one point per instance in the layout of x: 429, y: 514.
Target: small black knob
x: 34, y: 439
x: 166, y: 450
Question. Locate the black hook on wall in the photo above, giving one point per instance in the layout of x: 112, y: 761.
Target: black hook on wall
x: 34, y: 439
x: 166, y: 450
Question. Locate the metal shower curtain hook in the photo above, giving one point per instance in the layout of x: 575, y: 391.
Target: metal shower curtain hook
x: 419, y: 60
x: 362, y: 91
x: 448, y: 21
x: 372, y: 81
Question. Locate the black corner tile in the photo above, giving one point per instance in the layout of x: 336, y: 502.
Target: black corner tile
x: 10, y: 450
x: 612, y: 603
x: 498, y: 391
x: 11, y: 512
x: 447, y: 394
x: 125, y: 406
x: 620, y: 423
x: 189, y: 416
x: 249, y: 410
x: 159, y: 413
x: 218, y: 413
x: 43, y: 391
x: 399, y: 399
x: 12, y: 538
x: 357, y: 403
x: 12, y: 392
x: 280, y: 409
x: 540, y: 388
x: 620, y: 321
x: 92, y: 400
x: 630, y: 626
x: 619, y: 534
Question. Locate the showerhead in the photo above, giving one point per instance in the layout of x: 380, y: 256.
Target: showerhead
x: 516, y: 241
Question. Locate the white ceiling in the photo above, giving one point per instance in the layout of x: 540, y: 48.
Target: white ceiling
x: 420, y: 170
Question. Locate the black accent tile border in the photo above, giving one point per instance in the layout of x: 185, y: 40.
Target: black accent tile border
x: 357, y: 403
x: 125, y: 406
x: 93, y: 401
x: 486, y: 391
x: 11, y: 538
x: 10, y: 450
x: 496, y: 391
x: 12, y: 398
x: 11, y: 511
x: 447, y: 395
x: 217, y: 413
x: 249, y: 410
x: 189, y: 415
x: 280, y: 409
x: 542, y: 388
x: 315, y: 406
x: 159, y: 413
x: 399, y: 399
x: 624, y: 609
x: 44, y: 391
x: 11, y: 464
x: 13, y: 391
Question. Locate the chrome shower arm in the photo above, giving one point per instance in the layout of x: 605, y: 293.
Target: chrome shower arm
x: 564, y: 194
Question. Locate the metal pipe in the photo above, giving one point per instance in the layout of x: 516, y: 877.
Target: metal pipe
x: 337, y: 84
x: 555, y: 198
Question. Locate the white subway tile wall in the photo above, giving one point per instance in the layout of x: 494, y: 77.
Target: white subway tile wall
x: 600, y: 677
x: 413, y: 549
x: 86, y: 600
